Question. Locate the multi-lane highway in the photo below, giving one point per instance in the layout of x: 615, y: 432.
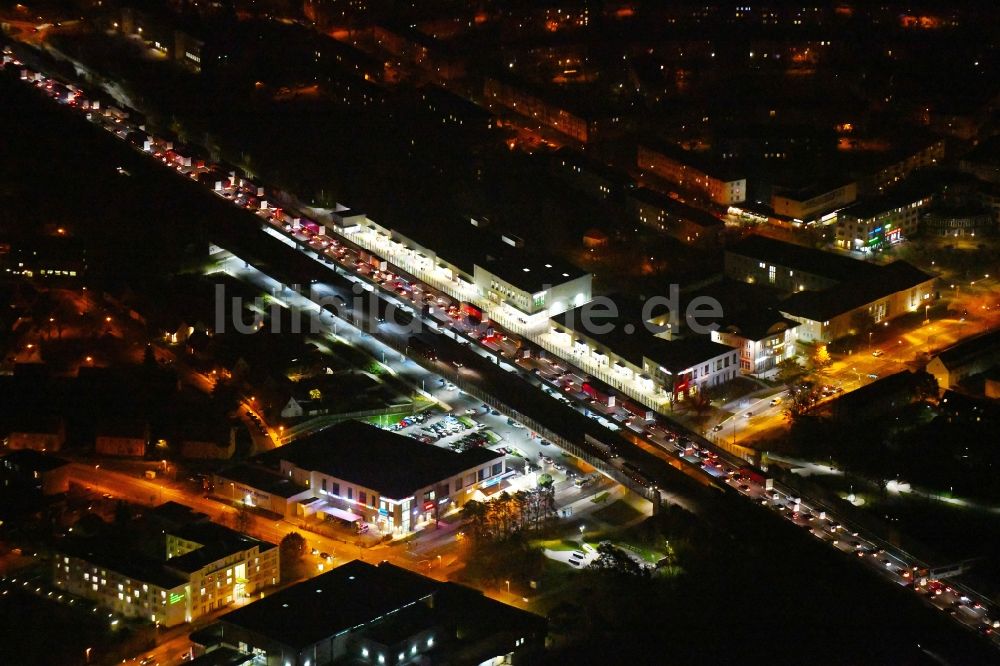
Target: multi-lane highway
x: 560, y: 384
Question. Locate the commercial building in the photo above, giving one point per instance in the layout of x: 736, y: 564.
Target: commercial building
x: 849, y: 307
x: 973, y: 356
x: 814, y: 203
x: 358, y: 473
x: 515, y: 286
x: 361, y: 613
x: 43, y: 473
x: 878, y: 223
x: 624, y: 352
x: 260, y: 487
x: 673, y: 218
x: 692, y: 172
x: 789, y: 267
x: 832, y: 295
x: 764, y: 338
x: 921, y: 153
x: 205, y: 567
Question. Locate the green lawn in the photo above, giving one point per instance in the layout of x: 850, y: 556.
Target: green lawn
x: 602, y: 497
x: 617, y: 513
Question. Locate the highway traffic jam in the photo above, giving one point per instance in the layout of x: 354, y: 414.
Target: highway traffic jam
x: 556, y: 379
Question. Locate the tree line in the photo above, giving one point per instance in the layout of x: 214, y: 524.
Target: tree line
x: 505, y: 515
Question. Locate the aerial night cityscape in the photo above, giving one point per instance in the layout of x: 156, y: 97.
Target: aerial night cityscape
x: 482, y: 332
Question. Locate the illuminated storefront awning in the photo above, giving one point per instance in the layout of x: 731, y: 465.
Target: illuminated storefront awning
x: 344, y: 515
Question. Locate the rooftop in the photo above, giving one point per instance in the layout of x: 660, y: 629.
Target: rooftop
x: 217, y: 542
x: 805, y: 259
x: 30, y: 459
x: 846, y: 296
x: 812, y: 190
x: 970, y: 349
x: 105, y: 554
x: 675, y: 356
x: 394, y: 465
x: 888, y: 385
x: 569, y: 156
x: 461, y: 244
x: 526, y: 270
x: 704, y: 162
x: 340, y: 600
x: 175, y: 513
x: 674, y: 207
x: 894, y: 198
x: 223, y: 656
x: 262, y: 479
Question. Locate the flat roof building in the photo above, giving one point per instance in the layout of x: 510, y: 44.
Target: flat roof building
x: 673, y: 218
x: 876, y: 223
x: 814, y: 202
x: 832, y: 295
x: 367, y: 614
x: 624, y: 352
x: 964, y: 359
x: 790, y: 267
x: 693, y: 172
x: 359, y: 473
x: 847, y: 307
x: 205, y: 567
x: 517, y: 286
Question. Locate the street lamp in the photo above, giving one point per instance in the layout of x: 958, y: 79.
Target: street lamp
x: 508, y: 586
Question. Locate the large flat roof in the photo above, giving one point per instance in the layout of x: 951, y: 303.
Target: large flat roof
x: 461, y: 244
x: 806, y: 259
x: 904, y: 195
x: 105, y: 554
x: 673, y: 355
x: 969, y: 349
x: 262, y: 479
x: 217, y: 542
x: 828, y: 303
x: 395, y: 466
x: 347, y: 597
